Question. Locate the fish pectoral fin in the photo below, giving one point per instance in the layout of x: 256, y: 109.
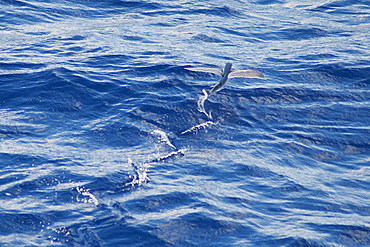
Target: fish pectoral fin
x: 206, y: 70
x: 249, y: 73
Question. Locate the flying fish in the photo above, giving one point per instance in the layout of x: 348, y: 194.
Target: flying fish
x: 225, y: 74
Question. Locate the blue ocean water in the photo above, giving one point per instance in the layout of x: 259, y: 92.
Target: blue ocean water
x: 102, y: 143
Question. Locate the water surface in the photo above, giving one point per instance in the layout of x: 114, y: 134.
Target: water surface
x: 102, y: 143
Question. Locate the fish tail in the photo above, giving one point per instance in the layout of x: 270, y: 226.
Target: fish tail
x: 201, y: 101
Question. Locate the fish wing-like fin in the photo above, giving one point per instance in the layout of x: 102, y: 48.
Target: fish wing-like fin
x: 206, y: 70
x: 249, y: 73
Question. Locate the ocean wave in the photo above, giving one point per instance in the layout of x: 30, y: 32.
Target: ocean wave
x: 102, y: 142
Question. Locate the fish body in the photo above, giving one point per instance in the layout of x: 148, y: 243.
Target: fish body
x: 221, y: 84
